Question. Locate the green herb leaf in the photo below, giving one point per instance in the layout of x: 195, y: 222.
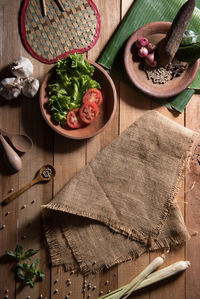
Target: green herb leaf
x: 40, y: 274
x: 30, y: 253
x: 26, y: 273
x: 26, y: 267
x: 19, y: 249
x: 11, y: 253
x: 20, y: 274
x: 31, y: 283
x: 34, y: 265
x: 19, y: 265
x: 19, y: 252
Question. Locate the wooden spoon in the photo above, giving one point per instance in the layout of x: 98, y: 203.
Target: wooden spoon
x: 11, y: 158
x: 21, y: 143
x: 45, y: 173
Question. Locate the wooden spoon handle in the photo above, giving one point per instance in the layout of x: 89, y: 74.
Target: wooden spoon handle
x: 20, y: 191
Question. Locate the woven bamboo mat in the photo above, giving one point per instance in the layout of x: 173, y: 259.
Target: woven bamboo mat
x: 59, y: 33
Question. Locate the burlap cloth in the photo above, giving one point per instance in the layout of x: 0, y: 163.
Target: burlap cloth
x: 122, y: 203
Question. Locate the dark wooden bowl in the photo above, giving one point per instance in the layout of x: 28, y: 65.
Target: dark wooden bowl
x: 155, y: 32
x: 107, y: 109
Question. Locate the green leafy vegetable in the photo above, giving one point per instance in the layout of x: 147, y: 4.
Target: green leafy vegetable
x: 28, y: 274
x: 73, y: 79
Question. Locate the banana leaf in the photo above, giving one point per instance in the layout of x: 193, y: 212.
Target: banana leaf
x: 143, y: 12
x: 179, y: 102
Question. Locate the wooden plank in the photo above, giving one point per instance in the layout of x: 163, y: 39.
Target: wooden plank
x: 176, y: 287
x: 29, y: 222
x: 30, y: 230
x: 69, y: 158
x: 65, y: 284
x: 24, y: 116
x: 105, y: 281
x: 133, y: 104
x: 192, y: 198
x: 9, y: 120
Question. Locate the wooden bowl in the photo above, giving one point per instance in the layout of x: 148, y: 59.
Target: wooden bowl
x: 155, y: 32
x: 107, y: 109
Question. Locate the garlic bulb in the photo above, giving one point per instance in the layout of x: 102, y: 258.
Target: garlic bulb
x: 10, y: 88
x: 30, y: 87
x: 22, y: 67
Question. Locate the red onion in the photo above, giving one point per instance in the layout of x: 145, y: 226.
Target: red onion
x: 142, y: 42
x: 149, y: 59
x: 143, y: 52
x: 154, y: 63
x: 151, y: 47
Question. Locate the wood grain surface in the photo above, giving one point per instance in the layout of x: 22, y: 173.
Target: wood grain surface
x: 21, y: 222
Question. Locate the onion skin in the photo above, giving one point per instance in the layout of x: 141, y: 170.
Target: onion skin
x: 149, y: 58
x: 154, y: 63
x: 143, y: 52
x: 151, y: 47
x: 142, y: 42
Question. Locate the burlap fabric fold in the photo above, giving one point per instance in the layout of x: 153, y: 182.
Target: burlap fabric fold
x: 122, y: 203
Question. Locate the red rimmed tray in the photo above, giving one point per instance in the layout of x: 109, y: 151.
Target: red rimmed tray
x: 54, y: 36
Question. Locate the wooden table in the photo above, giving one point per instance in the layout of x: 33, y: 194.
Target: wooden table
x: 23, y: 225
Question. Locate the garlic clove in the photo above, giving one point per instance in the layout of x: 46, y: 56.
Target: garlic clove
x: 10, y: 88
x: 22, y: 67
x: 7, y: 81
x: 30, y: 87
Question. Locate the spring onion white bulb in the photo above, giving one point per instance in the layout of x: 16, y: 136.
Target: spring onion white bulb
x: 164, y: 273
x: 136, y: 281
x: 149, y: 280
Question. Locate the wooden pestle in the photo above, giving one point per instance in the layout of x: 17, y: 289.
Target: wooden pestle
x: 170, y: 44
x: 11, y: 158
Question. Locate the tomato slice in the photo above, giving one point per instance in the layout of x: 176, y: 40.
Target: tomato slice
x: 73, y: 119
x: 93, y: 95
x: 88, y: 112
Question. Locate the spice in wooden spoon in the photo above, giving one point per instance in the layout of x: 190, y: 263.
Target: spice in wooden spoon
x: 46, y: 173
x: 170, y: 44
